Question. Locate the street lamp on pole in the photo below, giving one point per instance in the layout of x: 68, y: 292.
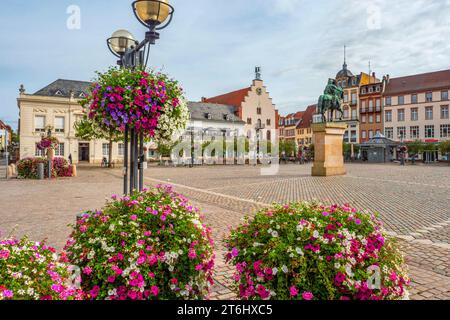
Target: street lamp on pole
x: 155, y: 15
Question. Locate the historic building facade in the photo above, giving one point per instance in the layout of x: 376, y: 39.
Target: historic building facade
x: 371, y: 110
x: 5, y: 136
x: 417, y: 107
x: 57, y: 107
x: 304, y: 134
x: 288, y: 126
x: 255, y: 107
x: 351, y: 84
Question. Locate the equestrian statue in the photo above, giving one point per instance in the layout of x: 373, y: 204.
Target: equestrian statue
x: 331, y: 100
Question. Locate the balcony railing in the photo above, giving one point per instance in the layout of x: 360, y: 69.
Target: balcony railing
x: 260, y: 126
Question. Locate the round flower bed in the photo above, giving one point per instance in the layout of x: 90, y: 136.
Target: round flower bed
x: 31, y: 271
x: 308, y: 251
x: 151, y: 245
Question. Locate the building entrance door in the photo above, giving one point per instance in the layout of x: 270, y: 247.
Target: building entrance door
x: 83, y: 152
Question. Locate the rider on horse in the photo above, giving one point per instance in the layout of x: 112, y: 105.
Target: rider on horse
x: 331, y: 100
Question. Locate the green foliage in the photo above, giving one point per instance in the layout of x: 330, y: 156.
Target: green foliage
x: 444, y: 147
x: 289, y: 147
x: 415, y: 147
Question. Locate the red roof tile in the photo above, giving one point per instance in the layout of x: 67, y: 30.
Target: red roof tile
x: 419, y: 83
x: 307, y: 118
x: 234, y: 98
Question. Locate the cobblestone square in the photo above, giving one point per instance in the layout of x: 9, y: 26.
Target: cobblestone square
x: 413, y: 201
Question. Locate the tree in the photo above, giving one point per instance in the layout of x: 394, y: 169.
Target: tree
x: 414, y: 148
x: 88, y: 130
x: 444, y: 147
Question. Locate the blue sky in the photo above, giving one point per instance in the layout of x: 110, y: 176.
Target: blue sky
x: 213, y: 46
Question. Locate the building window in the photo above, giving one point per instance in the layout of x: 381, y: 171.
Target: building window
x: 269, y: 135
x: 354, y: 137
x: 268, y: 122
x: 388, y: 101
x: 444, y: 95
x: 414, y: 114
x: 371, y: 119
x: 389, y: 116
x: 346, y: 97
x: 249, y: 120
x: 389, y: 133
x: 346, y: 113
x: 38, y: 152
x: 105, y: 149
x: 429, y: 97
x: 370, y: 134
x: 363, y: 106
x: 378, y: 105
x: 363, y: 118
x: 59, y: 124
x: 259, y: 111
x: 401, y: 100
x: 59, y: 152
x: 346, y: 136
x: 445, y: 131
x: 401, y: 115
x: 414, y: 98
x: 39, y: 123
x: 354, y: 114
x: 444, y: 112
x: 371, y: 106
x: 378, y: 118
x: 429, y: 131
x: 121, y: 151
x: 401, y: 132
x: 429, y: 113
x: 354, y: 98
x: 364, y: 134
x: 414, y: 132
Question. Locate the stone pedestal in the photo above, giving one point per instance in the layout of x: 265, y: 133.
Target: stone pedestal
x: 328, y: 147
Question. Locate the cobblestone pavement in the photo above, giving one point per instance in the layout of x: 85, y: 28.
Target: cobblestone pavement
x: 413, y: 202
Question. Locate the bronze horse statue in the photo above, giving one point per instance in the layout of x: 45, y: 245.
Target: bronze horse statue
x: 331, y: 100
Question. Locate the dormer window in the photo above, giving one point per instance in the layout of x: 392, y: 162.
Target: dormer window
x: 208, y: 116
x: 82, y: 95
x: 58, y: 93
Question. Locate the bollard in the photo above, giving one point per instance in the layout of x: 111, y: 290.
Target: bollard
x: 9, y: 172
x: 40, y: 171
x: 74, y: 170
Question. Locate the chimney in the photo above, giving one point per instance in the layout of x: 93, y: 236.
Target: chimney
x: 374, y: 75
x: 203, y: 99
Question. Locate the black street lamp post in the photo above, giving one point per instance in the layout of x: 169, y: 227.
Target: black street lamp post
x: 154, y: 15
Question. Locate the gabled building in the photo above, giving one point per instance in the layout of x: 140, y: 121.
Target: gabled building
x: 5, y: 136
x: 304, y: 134
x: 254, y: 106
x: 289, y: 125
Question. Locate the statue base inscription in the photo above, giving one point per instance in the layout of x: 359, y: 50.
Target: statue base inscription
x: 328, y: 144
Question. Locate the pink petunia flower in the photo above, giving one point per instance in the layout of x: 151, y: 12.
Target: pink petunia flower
x: 307, y: 296
x: 294, y: 291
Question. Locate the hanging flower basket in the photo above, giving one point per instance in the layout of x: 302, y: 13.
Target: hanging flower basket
x: 148, y: 102
x: 48, y: 143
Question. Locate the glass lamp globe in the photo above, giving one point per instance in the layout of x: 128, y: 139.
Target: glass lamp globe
x: 121, y: 41
x: 152, y: 12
